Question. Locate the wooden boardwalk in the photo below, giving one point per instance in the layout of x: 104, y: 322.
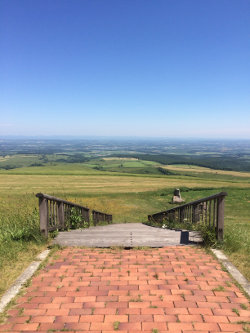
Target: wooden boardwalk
x: 126, y: 235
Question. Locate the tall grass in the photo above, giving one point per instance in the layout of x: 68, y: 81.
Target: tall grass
x: 237, y: 237
x: 20, y: 226
x: 20, y: 238
x: 19, y: 219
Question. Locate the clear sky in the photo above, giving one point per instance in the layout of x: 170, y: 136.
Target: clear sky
x: 168, y: 68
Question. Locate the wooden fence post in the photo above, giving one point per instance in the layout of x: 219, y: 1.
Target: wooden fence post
x: 220, y: 217
x: 181, y: 215
x: 195, y: 214
x: 43, y: 211
x: 85, y: 215
x: 61, y: 219
x: 94, y: 217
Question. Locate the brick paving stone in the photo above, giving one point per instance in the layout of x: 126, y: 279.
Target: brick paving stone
x: 172, y: 289
x: 25, y: 327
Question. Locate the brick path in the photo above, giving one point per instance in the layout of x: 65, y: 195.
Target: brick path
x: 171, y: 289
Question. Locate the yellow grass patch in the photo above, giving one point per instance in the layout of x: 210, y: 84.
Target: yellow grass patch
x: 8, y: 273
x: 120, y: 159
x: 194, y: 168
x: 20, y: 184
x: 241, y: 261
x: 2, y: 159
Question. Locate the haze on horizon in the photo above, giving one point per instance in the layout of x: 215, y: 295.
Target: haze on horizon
x: 125, y: 68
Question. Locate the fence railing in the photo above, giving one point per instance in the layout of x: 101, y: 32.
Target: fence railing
x: 209, y: 211
x: 56, y: 214
x: 99, y: 216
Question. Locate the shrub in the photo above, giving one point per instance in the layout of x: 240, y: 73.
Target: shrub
x: 208, y: 235
x: 76, y: 220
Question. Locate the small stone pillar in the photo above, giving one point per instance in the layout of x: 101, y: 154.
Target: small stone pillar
x: 177, y: 196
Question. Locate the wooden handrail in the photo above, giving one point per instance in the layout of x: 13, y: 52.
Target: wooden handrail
x: 208, y: 210
x: 55, y: 213
x: 196, y: 202
x: 49, y: 197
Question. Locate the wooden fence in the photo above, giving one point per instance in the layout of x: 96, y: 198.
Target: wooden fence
x: 209, y: 211
x: 99, y: 216
x: 55, y: 213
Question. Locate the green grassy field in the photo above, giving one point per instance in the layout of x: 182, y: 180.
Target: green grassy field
x: 130, y: 195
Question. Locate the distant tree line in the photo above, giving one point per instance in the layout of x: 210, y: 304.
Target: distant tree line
x: 214, y: 162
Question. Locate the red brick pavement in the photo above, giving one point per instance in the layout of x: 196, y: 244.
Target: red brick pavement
x: 171, y: 289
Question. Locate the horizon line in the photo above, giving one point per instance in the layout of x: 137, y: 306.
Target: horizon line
x: 122, y: 137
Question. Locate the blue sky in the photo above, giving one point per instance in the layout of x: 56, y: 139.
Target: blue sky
x: 167, y: 68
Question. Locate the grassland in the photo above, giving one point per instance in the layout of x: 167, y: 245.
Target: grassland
x: 193, y: 169
x: 117, y: 186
